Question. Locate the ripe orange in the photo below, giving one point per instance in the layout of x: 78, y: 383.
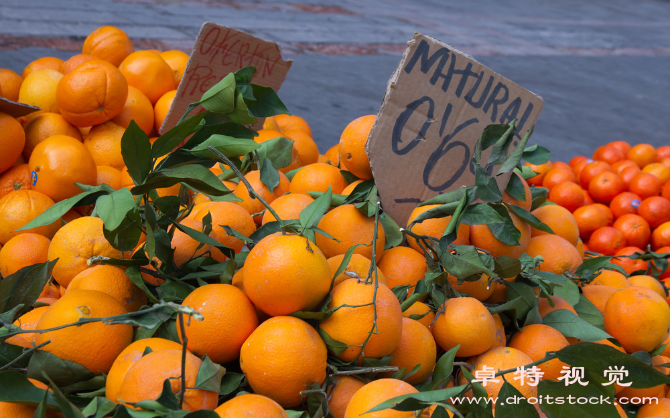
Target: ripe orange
x: 559, y: 303
x: 402, y: 266
x: 655, y: 210
x: 340, y: 394
x: 287, y: 207
x: 568, y: 195
x: 39, y: 89
x: 113, y: 281
x: 556, y: 176
x: 659, y: 170
x: 663, y: 151
x: 628, y: 174
x: 333, y: 155
x: 16, y: 410
x: 655, y: 410
x: 73, y: 62
x: 22, y: 251
x: 598, y: 295
x: 645, y: 185
x: 148, y: 72
x: 45, y: 125
x: 624, y: 203
x: 349, y: 225
x: 13, y: 140
x: 50, y: 63
x: 94, y: 345
x: 534, y: 341
x: 232, y: 215
x: 308, y: 151
x: 350, y: 188
x: 605, y: 186
x: 108, y: 43
x: 560, y: 220
x: 74, y: 244
x: 283, y: 123
x: 251, y: 405
x: 622, y: 165
x: 187, y: 248
x: 660, y: 237
x: 282, y: 357
x: 104, y: 144
x: 423, y: 314
x: 109, y: 176
x: 623, y: 146
x: 628, y: 264
x: 137, y: 108
x: 465, y: 321
x: 635, y: 229
x: 230, y: 318
x: 352, y: 146
x: 317, y: 177
x: 162, y: 108
x: 607, y: 240
x: 609, y: 215
x: 16, y: 178
x: 416, y: 347
x: 254, y: 206
x: 144, y: 380
x: 591, y: 170
x: 177, y: 61
x: 10, y: 84
x: 589, y: 218
x: 20, y: 207
x: 359, y: 265
x: 57, y: 163
x: 638, y: 318
x: 286, y: 273
x: 504, y: 358
x: 479, y: 289
x: 482, y: 237
x: 434, y: 227
x: 579, y: 165
x: 642, y: 154
x: 649, y: 282
x: 501, y: 338
x: 559, y: 255
x: 376, y: 392
x: 92, y: 93
x: 542, y: 170
x: 609, y: 154
x: 27, y: 321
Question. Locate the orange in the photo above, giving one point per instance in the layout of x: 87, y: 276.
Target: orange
x: 349, y: 225
x: 605, y: 186
x: 16, y: 410
x: 556, y: 176
x: 322, y: 159
x: 635, y: 229
x: 659, y: 170
x: 353, y: 325
x: 57, y: 163
x: 16, y: 178
x: 561, y: 164
x: 350, y: 188
x: 642, y: 154
x: 598, y: 295
x: 251, y: 405
x: 113, y: 281
x: 308, y: 152
x: 162, y: 108
x: 282, y: 357
x: 622, y: 165
x: 541, y: 170
x: 609, y: 215
x: 655, y: 210
x: 359, y: 265
x: 610, y: 278
x: 352, y: 147
x: 402, y: 266
x: 629, y: 264
x: 628, y: 174
x: 661, y: 236
x: 317, y: 177
x: 39, y: 89
x: 482, y: 237
x: 20, y: 207
x: 559, y: 303
x: 109, y: 176
x: 254, y: 206
x: 424, y: 315
x: 434, y: 227
x: 283, y: 123
x: 580, y: 247
x: 94, y: 345
x: 623, y: 146
x: 645, y: 185
x: 92, y: 93
x: 652, y: 392
x: 128, y: 357
x: 13, y: 140
x: 137, y: 108
x: 108, y: 43
x: 287, y: 207
x: 568, y: 195
x: 50, y: 63
x: 148, y: 72
x: 591, y: 170
x: 607, y: 240
x: 286, y: 273
x: 649, y: 282
x: 231, y: 215
x: 340, y: 394
x: 416, y: 347
x: 177, y: 61
x: 144, y: 380
x: 501, y: 338
x: 589, y: 218
x: 465, y: 321
x: 104, y: 144
x: 10, y: 84
x: 578, y: 163
x: 535, y: 341
x: 609, y: 154
x: 45, y: 125
x: 27, y: 321
x: 22, y: 251
x: 479, y: 289
x: 638, y: 318
x: 230, y: 318
x: 663, y: 151
x: 376, y: 392
x: 624, y: 203
x: 73, y: 62
x: 504, y: 358
x: 560, y: 220
x: 187, y: 248
x: 333, y: 155
x: 528, y: 197
x: 74, y: 245
x: 655, y: 410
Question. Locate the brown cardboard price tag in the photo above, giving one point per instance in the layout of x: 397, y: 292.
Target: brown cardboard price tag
x: 218, y: 51
x: 437, y: 103
x: 16, y: 109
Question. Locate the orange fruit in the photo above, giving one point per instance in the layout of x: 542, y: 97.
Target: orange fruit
x: 162, y: 108
x: 528, y: 197
x: 108, y: 43
x: 16, y: 178
x: 591, y: 170
x: 416, y: 347
x: 73, y: 62
x: 642, y: 155
x: 568, y: 195
x: 27, y: 321
x: 609, y: 215
x: 423, y: 314
x: 660, y: 237
x: 628, y: 264
x: 20, y: 207
x: 231, y: 215
x: 45, y: 125
x: 308, y: 151
x: 605, y: 186
x: 578, y: 165
x: 137, y: 108
x: 655, y: 410
x: 350, y: 226
x: 479, y: 289
x: 482, y: 237
x: 13, y: 140
x: 254, y: 206
x: 57, y: 163
x: 663, y: 151
x: 359, y: 265
x: 541, y: 170
x: 504, y: 358
x: 501, y: 338
x: 22, y: 251
x: 434, y: 227
x: 353, y: 325
x: 104, y: 144
x: 624, y: 203
x: 49, y: 63
x: 10, y: 84
x: 109, y: 176
x: 350, y: 188
x: 187, y: 248
x: 148, y: 72
x: 282, y: 357
x: 623, y: 146
x: 645, y: 185
x: 535, y: 341
x: 352, y: 147
x: 589, y: 218
x: 559, y: 303
x: 283, y: 123
x: 322, y: 159
x: 556, y: 176
x: 649, y: 282
x: 607, y: 240
x: 580, y: 247
x: 177, y: 61
x: 465, y: 321
x: 340, y: 394
x: 39, y: 89
x: 268, y: 134
x: 317, y: 177
x: 598, y: 295
x: 376, y: 392
x: 128, y: 357
x: 661, y: 171
x: 287, y: 207
x: 609, y: 154
x: 113, y: 281
x: 402, y: 266
x: 144, y: 380
x: 74, y: 245
x: 17, y: 410
x: 655, y: 210
x: 635, y: 229
x: 628, y: 174
x: 230, y: 318
x: 92, y: 93
x: 251, y: 405
x: 333, y: 155
x: 560, y: 220
x: 622, y: 165
x: 638, y: 318
x: 94, y: 345
x: 654, y: 392
x: 286, y: 273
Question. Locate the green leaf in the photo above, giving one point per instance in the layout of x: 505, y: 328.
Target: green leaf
x: 597, y: 263
x: 507, y: 267
x: 312, y: 214
x: 241, y: 113
x: 230, y: 383
x: 221, y: 97
x: 571, y: 325
x: 135, y: 276
x: 95, y: 383
x: 519, y: 409
x: 279, y: 150
x: 569, y: 291
x: 334, y: 346
x: 41, y: 410
x: 501, y: 146
x: 554, y: 389
x: 229, y: 146
x: 24, y: 287
x: 99, y: 407
x: 480, y: 214
x: 487, y: 187
x: 209, y: 376
x: 527, y: 295
x: 136, y: 152
x: 269, y: 174
x: 112, y: 208
x: 510, y: 304
x: 530, y: 219
x: 393, y: 235
x: 66, y: 407
x: 453, y: 196
x: 506, y: 232
x: 196, y: 176
x: 464, y: 262
x: 516, y: 188
x: 539, y: 195
x: 267, y: 103
x: 7, y: 318
x: 265, y: 230
x: 444, y: 367
x: 536, y: 154
x: 9, y: 352
x: 15, y: 387
x: 515, y: 157
x: 170, y: 139
x: 62, y: 372
x: 417, y: 401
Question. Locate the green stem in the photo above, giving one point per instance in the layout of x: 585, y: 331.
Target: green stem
x: 25, y: 353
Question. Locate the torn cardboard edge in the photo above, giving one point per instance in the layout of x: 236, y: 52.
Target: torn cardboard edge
x: 16, y: 109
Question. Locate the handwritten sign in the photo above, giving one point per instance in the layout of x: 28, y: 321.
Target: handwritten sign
x: 437, y: 103
x: 16, y: 109
x: 218, y: 51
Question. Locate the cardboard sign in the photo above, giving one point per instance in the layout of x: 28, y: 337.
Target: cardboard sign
x: 16, y: 109
x: 218, y: 51
x: 437, y: 103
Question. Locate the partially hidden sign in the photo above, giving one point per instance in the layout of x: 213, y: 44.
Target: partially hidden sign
x: 218, y: 51
x: 16, y: 109
x: 437, y: 103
